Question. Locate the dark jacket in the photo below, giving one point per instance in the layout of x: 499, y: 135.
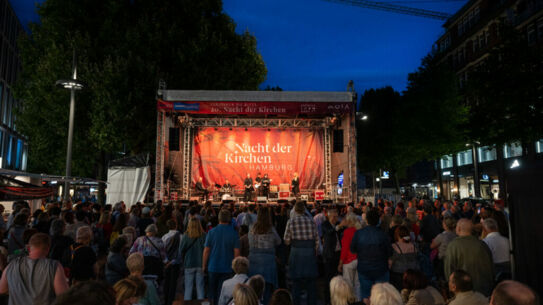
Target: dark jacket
x: 429, y: 228
x: 329, y: 241
x: 116, y: 268
x: 372, y: 247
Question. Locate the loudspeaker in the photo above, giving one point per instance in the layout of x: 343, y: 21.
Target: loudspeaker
x: 304, y: 197
x: 174, y: 138
x: 338, y: 140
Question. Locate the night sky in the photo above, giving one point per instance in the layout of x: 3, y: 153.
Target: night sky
x: 318, y: 45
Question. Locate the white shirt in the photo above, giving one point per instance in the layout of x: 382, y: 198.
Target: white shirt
x: 499, y: 246
x: 228, y: 286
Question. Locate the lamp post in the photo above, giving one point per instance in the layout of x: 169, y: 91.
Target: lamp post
x: 73, y: 84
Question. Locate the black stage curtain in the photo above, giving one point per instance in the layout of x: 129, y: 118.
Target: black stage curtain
x: 525, y: 189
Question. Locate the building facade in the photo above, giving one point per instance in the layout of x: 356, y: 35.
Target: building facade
x: 469, y: 36
x: 13, y: 145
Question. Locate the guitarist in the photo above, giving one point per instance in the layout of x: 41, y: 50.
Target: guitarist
x: 265, y: 185
x: 248, y: 183
x: 258, y: 181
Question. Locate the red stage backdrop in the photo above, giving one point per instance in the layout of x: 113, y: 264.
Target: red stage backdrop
x: 231, y: 154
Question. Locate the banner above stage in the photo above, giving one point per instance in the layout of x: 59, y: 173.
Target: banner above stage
x: 224, y: 153
x: 257, y: 108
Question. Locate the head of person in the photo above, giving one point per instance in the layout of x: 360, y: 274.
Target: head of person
x: 194, y: 228
x: 449, y: 224
x: 134, y: 263
x: 225, y: 216
x: 200, y: 179
x: 39, y: 245
x: 265, y: 175
x: 57, y: 227
x: 460, y: 281
x: 341, y: 292
x: 402, y: 234
x: 385, y: 294
x: 467, y: 206
x: 281, y: 297
x: 258, y: 284
x: 414, y: 280
x: 331, y: 215
x: 172, y: 224
x: 21, y: 219
x: 351, y: 221
x: 513, y: 293
x: 464, y: 227
x: 84, y: 235
x: 299, y: 207
x: 245, y: 295
x: 490, y: 225
x: 151, y: 230
x: 129, y: 290
x: 104, y: 217
x: 130, y: 233
x: 87, y: 293
x: 240, y: 265
x: 118, y: 244
x: 372, y: 217
x: 263, y: 222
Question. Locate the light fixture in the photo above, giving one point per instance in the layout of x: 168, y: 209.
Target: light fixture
x: 515, y: 164
x: 69, y: 84
x: 446, y: 173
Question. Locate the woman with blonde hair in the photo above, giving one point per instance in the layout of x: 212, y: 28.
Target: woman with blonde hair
x: 244, y: 295
x: 341, y: 292
x: 192, y: 249
x: 385, y: 294
x: 348, y: 261
x: 128, y: 291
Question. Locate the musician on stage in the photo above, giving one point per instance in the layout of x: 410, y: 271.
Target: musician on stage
x: 227, y: 186
x: 258, y: 181
x: 248, y: 183
x: 200, y: 189
x: 295, y: 185
x: 265, y: 185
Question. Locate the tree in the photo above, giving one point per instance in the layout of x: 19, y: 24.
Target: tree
x: 422, y: 124
x: 124, y: 48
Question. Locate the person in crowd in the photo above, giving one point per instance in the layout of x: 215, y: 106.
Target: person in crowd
x: 80, y: 221
x: 15, y: 233
x: 42, y: 224
x: 301, y: 235
x: 258, y: 284
x: 386, y: 219
x: 87, y: 293
x: 395, y: 222
x: 162, y: 221
x: 331, y: 248
x: 498, y: 245
x: 341, y: 292
x: 467, y: 210
x: 417, y: 290
x: 192, y: 249
x: 153, y: 250
x: 244, y: 295
x: 244, y: 240
x: 513, y: 293
x: 319, y: 218
x: 128, y: 291
x: 250, y: 217
x: 135, y: 264
x: 461, y: 285
x: 446, y: 210
x: 348, y: 262
x: 384, y: 294
x: 34, y: 279
x: 60, y: 244
x: 263, y: 239
x: 429, y: 228
x: 373, y: 250
x: 221, y: 246
x: 104, y: 224
x: 440, y: 243
x: 118, y: 209
x: 281, y: 297
x: 404, y: 257
x: 468, y: 253
x: 118, y: 227
x: 135, y: 215
x: 130, y: 234
x: 241, y: 216
x: 172, y: 242
x: 116, y: 261
x: 83, y: 256
x: 144, y: 221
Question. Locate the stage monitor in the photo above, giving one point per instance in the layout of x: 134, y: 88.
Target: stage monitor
x: 232, y: 153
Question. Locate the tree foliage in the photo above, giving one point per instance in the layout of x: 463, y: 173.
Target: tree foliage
x: 123, y: 49
x: 424, y: 123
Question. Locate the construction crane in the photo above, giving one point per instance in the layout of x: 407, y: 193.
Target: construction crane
x: 400, y: 9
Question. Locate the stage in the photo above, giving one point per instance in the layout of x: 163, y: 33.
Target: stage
x: 222, y: 136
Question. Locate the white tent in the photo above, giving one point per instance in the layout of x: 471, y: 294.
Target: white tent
x: 128, y: 180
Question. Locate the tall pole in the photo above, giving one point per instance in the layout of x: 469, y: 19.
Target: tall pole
x: 476, y: 181
x: 70, y: 134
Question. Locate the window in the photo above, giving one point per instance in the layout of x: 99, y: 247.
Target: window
x: 460, y: 28
x: 475, y: 43
x: 512, y: 150
x: 5, y: 106
x: 531, y: 36
x: 540, y: 29
x: 25, y: 158
x: 7, y: 151
x: 471, y: 21
x: 446, y: 161
x: 338, y: 140
x: 486, y: 154
x: 481, y: 41
x: 464, y: 158
x: 19, y: 154
x: 487, y: 37
x: 476, y: 14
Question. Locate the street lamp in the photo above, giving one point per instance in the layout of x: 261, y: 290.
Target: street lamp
x: 361, y: 116
x: 73, y: 84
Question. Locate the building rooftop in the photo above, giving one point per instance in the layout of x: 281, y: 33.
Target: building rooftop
x: 256, y: 96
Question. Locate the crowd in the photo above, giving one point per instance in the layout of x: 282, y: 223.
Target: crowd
x: 415, y: 252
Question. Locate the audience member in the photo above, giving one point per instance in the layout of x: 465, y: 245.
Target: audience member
x: 461, y: 285
x: 240, y: 265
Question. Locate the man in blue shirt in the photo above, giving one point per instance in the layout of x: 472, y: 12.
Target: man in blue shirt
x: 221, y: 247
x: 372, y: 247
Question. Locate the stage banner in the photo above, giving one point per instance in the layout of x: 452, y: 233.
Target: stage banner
x: 225, y: 153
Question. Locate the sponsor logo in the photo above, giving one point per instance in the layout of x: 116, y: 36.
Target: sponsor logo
x: 186, y: 107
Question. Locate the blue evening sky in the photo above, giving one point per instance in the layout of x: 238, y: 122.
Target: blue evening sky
x: 318, y: 45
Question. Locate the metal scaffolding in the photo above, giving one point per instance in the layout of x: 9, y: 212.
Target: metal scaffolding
x: 187, y: 160
x: 328, y: 162
x: 160, y: 135
x: 252, y: 122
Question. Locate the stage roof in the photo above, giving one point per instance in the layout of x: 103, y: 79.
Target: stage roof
x: 256, y: 96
